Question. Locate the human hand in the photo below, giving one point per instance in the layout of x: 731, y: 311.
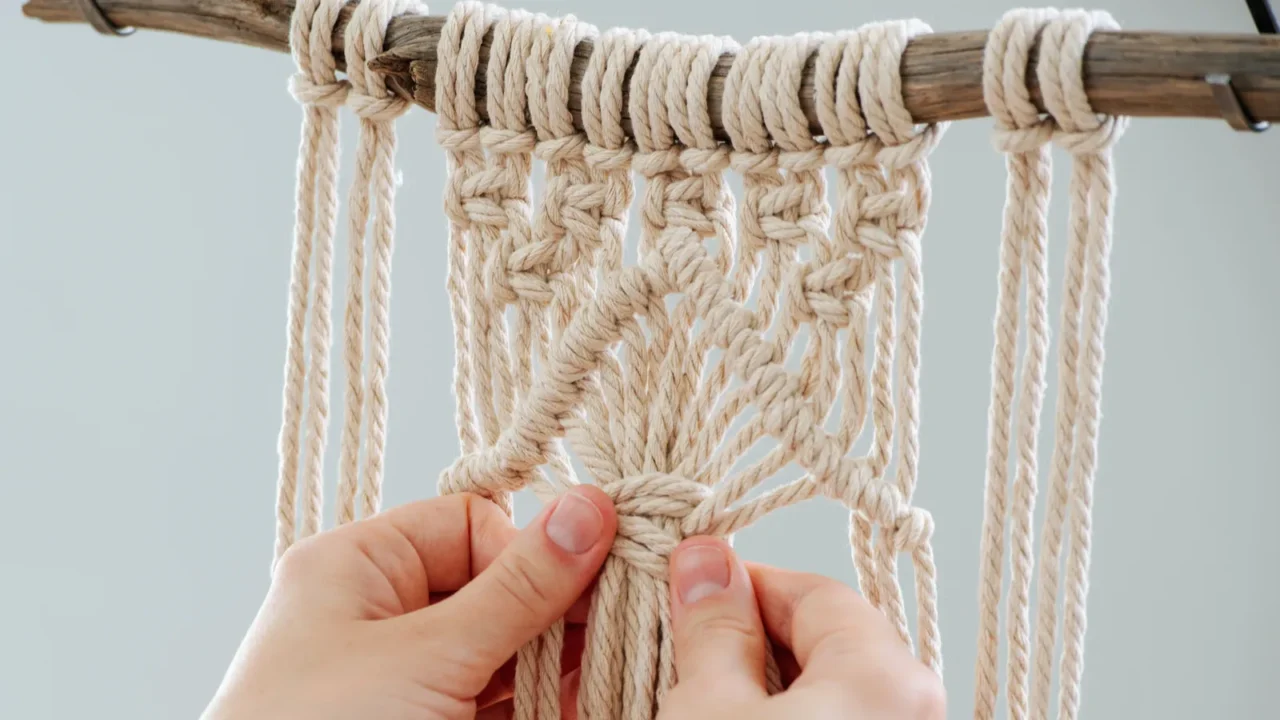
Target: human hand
x: 417, y: 612
x: 839, y: 656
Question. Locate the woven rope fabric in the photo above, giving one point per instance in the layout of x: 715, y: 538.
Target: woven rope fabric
x: 748, y: 335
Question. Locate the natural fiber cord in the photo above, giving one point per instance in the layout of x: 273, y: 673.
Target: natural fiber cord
x: 658, y: 376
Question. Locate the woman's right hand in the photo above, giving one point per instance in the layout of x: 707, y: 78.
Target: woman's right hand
x: 839, y: 656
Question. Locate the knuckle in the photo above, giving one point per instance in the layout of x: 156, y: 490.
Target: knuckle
x: 924, y: 697
x: 519, y: 578
x: 300, y: 561
x: 889, y: 689
x: 721, y: 625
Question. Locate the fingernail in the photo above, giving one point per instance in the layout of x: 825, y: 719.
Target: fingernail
x: 700, y: 571
x: 575, y: 524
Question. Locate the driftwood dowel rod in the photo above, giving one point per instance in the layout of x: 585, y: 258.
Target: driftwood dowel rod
x: 1126, y: 73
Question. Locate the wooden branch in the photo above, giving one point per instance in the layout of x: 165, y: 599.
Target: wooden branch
x: 1126, y: 73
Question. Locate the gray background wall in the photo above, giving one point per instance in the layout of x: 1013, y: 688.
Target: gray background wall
x: 145, y: 211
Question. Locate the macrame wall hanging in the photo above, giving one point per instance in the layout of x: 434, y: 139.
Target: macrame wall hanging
x: 658, y: 374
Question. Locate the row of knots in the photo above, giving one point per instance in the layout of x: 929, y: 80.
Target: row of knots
x: 527, y: 76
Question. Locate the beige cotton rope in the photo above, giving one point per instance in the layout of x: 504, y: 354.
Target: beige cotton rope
x: 662, y: 374
x: 321, y: 93
x: 317, y: 87
x: 1023, y: 135
x: 667, y: 378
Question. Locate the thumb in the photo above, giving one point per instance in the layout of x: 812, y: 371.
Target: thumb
x: 534, y: 581
x: 719, y: 638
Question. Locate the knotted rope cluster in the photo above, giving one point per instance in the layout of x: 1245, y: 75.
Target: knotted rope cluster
x: 659, y: 375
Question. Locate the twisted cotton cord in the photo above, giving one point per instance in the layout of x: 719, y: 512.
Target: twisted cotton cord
x: 499, y: 206
x: 685, y: 190
x: 377, y: 107
x: 771, y: 231
x: 1089, y: 138
x: 630, y: 421
x: 852, y: 152
x: 566, y: 233
x: 905, y: 146
x: 1023, y: 135
x: 317, y: 88
x: 609, y: 155
x: 565, y: 241
x: 458, y: 133
x: 679, y: 263
x: 699, y: 181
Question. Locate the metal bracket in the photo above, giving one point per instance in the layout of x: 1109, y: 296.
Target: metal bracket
x: 1224, y: 92
x: 1233, y: 111
x: 94, y: 15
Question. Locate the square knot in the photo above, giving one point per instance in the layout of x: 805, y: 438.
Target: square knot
x: 569, y: 147
x: 650, y: 509
x: 753, y: 163
x: 908, y: 527
x: 913, y: 151
x: 855, y: 155
x: 528, y: 285
x: 1093, y: 140
x: 827, y: 290
x: 606, y: 159
x: 657, y: 162
x: 705, y: 161
x: 911, y: 529
x: 468, y: 210
x: 887, y: 240
x: 321, y: 94
x: 378, y: 108
x: 1023, y: 139
x: 503, y: 141
x: 810, y: 160
x: 459, y: 139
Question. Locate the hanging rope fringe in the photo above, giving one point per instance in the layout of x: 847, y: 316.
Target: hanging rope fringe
x: 660, y: 375
x: 372, y: 195
x: 1023, y: 135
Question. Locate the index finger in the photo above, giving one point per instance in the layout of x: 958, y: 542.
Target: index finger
x: 424, y: 547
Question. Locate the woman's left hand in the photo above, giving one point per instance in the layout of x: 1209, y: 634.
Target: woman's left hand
x: 418, y: 612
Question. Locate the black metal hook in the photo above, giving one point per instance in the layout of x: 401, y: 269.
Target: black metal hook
x: 94, y: 15
x: 1229, y: 103
x: 1263, y: 18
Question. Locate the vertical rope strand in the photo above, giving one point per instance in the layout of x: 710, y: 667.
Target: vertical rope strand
x: 1089, y: 138
x: 317, y: 88
x: 1023, y: 136
x: 377, y: 107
